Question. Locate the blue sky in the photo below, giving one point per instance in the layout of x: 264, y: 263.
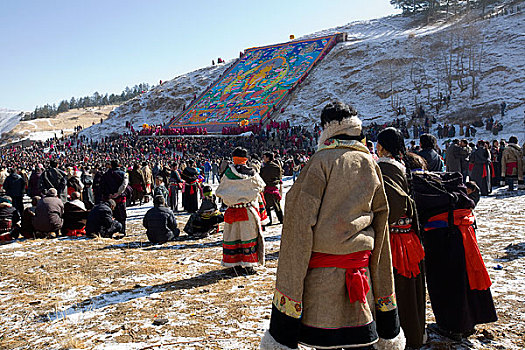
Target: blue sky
x: 51, y: 50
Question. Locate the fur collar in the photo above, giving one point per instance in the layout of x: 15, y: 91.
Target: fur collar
x: 393, y: 162
x: 348, y: 126
x: 238, y: 174
x: 77, y: 203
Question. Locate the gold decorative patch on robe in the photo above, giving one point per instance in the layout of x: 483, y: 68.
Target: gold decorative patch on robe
x: 287, y: 305
x: 385, y: 304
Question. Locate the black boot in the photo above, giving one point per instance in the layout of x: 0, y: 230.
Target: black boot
x: 280, y: 216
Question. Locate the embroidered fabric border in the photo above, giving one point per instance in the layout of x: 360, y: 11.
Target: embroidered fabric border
x: 240, y: 251
x: 385, y: 304
x: 287, y: 305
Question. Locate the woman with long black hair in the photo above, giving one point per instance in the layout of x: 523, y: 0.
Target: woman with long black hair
x: 405, y: 241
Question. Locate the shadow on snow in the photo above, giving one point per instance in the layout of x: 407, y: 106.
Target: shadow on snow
x: 123, y: 296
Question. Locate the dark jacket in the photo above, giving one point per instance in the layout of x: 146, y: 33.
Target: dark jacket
x: 114, y: 182
x: 99, y: 219
x: 434, y: 161
x: 456, y: 156
x: 75, y: 216
x: 48, y: 215
x: 54, y: 178
x: 87, y: 193
x: 272, y: 174
x: 8, y: 212
x: 160, y: 224
x: 136, y: 177
x: 14, y: 185
x: 34, y: 179
x: 190, y: 174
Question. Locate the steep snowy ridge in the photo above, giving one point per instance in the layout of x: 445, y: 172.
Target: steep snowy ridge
x: 9, y: 119
x: 376, y: 60
x: 160, y: 104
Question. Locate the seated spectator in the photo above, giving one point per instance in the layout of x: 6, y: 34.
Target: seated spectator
x: 75, y: 216
x: 100, y: 221
x: 9, y: 220
x: 160, y: 222
x: 27, y: 229
x: 207, y: 219
x: 49, y: 212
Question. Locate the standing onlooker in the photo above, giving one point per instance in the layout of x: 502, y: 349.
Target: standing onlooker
x: 137, y: 183
x: 479, y: 166
x: 454, y: 155
x: 54, y: 178
x: 272, y: 174
x: 428, y: 152
x: 457, y: 280
x: 175, y: 187
x: 190, y: 200
x: 511, y: 164
x: 160, y: 189
x: 335, y: 287
x: 148, y: 177
x: 3, y: 175
x: 207, y: 171
x: 87, y: 192
x: 405, y: 241
x: 240, y: 188
x: 34, y: 179
x: 14, y: 186
x: 114, y: 184
x: 215, y: 171
x: 496, y: 161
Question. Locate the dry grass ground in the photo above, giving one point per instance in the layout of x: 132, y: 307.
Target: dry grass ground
x: 104, y: 294
x: 66, y: 121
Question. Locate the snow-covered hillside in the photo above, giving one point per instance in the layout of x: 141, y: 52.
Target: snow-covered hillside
x: 9, y: 119
x: 382, y: 65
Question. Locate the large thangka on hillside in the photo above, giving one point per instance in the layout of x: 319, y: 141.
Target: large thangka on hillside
x: 255, y: 84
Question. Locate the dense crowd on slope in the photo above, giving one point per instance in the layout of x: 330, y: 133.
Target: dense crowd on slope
x: 84, y: 161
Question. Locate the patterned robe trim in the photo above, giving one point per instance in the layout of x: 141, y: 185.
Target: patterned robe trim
x: 335, y: 143
x: 240, y: 252
x: 287, y: 305
x: 385, y: 304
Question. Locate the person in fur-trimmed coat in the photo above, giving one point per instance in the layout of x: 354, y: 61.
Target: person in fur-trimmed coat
x: 240, y: 189
x: 335, y: 286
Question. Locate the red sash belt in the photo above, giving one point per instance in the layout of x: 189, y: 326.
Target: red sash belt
x: 120, y: 199
x: 235, y: 215
x: 273, y: 190
x: 137, y: 187
x: 478, y: 276
x: 510, y: 168
x: 192, y: 185
x: 355, y: 263
x: 407, y: 251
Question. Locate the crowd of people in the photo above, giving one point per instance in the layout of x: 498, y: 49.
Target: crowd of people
x: 339, y: 281
x: 365, y: 237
